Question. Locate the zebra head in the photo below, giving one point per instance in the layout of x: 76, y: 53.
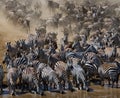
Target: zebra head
x: 83, y: 60
x: 22, y: 43
x: 69, y: 66
x: 8, y: 46
x: 6, y: 58
x: 17, y: 43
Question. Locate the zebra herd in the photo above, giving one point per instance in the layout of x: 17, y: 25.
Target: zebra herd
x: 39, y: 63
x: 44, y: 68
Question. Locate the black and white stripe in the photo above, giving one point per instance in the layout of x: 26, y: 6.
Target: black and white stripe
x: 109, y: 71
x: 21, y: 60
x: 60, y: 69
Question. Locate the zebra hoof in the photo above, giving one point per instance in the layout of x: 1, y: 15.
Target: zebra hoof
x: 80, y: 88
x: 87, y: 89
x: 41, y: 93
x: 61, y: 92
x: 1, y: 92
x: 72, y: 90
x: 13, y: 94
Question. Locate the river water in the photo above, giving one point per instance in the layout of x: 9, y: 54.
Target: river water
x: 96, y: 92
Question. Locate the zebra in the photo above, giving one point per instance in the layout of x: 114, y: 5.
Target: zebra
x: 49, y: 77
x: 23, y: 60
x: 44, y: 57
x: 40, y: 54
x: 29, y: 76
x: 10, y: 62
x: 109, y: 71
x: 60, y: 69
x: 111, y: 53
x: 77, y: 73
x: 24, y: 46
x: 1, y: 78
x: 90, y: 63
x: 6, y: 59
x: 12, y: 51
x: 31, y: 56
x: 12, y: 76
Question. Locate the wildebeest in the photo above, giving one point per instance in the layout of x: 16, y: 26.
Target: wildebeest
x: 53, y: 4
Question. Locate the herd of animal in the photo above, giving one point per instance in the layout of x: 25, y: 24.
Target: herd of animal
x: 40, y: 63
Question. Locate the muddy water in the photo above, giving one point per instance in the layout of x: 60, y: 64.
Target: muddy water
x: 96, y: 92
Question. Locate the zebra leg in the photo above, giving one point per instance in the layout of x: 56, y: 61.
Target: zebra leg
x: 20, y: 81
x: 9, y: 87
x: 75, y: 81
x: 45, y: 85
x: 102, y: 82
x: 1, y: 88
x: 70, y: 85
x: 38, y: 89
x: 78, y: 84
x: 116, y: 84
x: 109, y: 82
x: 49, y: 86
x: 112, y: 84
x: 61, y: 87
x: 13, y: 89
x: 88, y: 78
x: 41, y: 88
x: 29, y: 86
x: 117, y: 81
x: 64, y: 82
x: 22, y: 86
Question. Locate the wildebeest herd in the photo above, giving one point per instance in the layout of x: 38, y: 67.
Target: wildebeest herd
x: 40, y: 63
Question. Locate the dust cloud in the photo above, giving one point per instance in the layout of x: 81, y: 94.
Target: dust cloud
x: 12, y: 32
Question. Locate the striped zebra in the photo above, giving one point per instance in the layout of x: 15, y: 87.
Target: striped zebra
x: 6, y: 59
x: 29, y: 76
x: 24, y: 46
x: 12, y: 76
x: 90, y: 65
x: 12, y: 50
x: 10, y: 62
x: 109, y: 71
x: 49, y: 77
x: 77, y: 73
x: 23, y: 60
x: 31, y: 56
x: 60, y: 69
x: 1, y: 78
